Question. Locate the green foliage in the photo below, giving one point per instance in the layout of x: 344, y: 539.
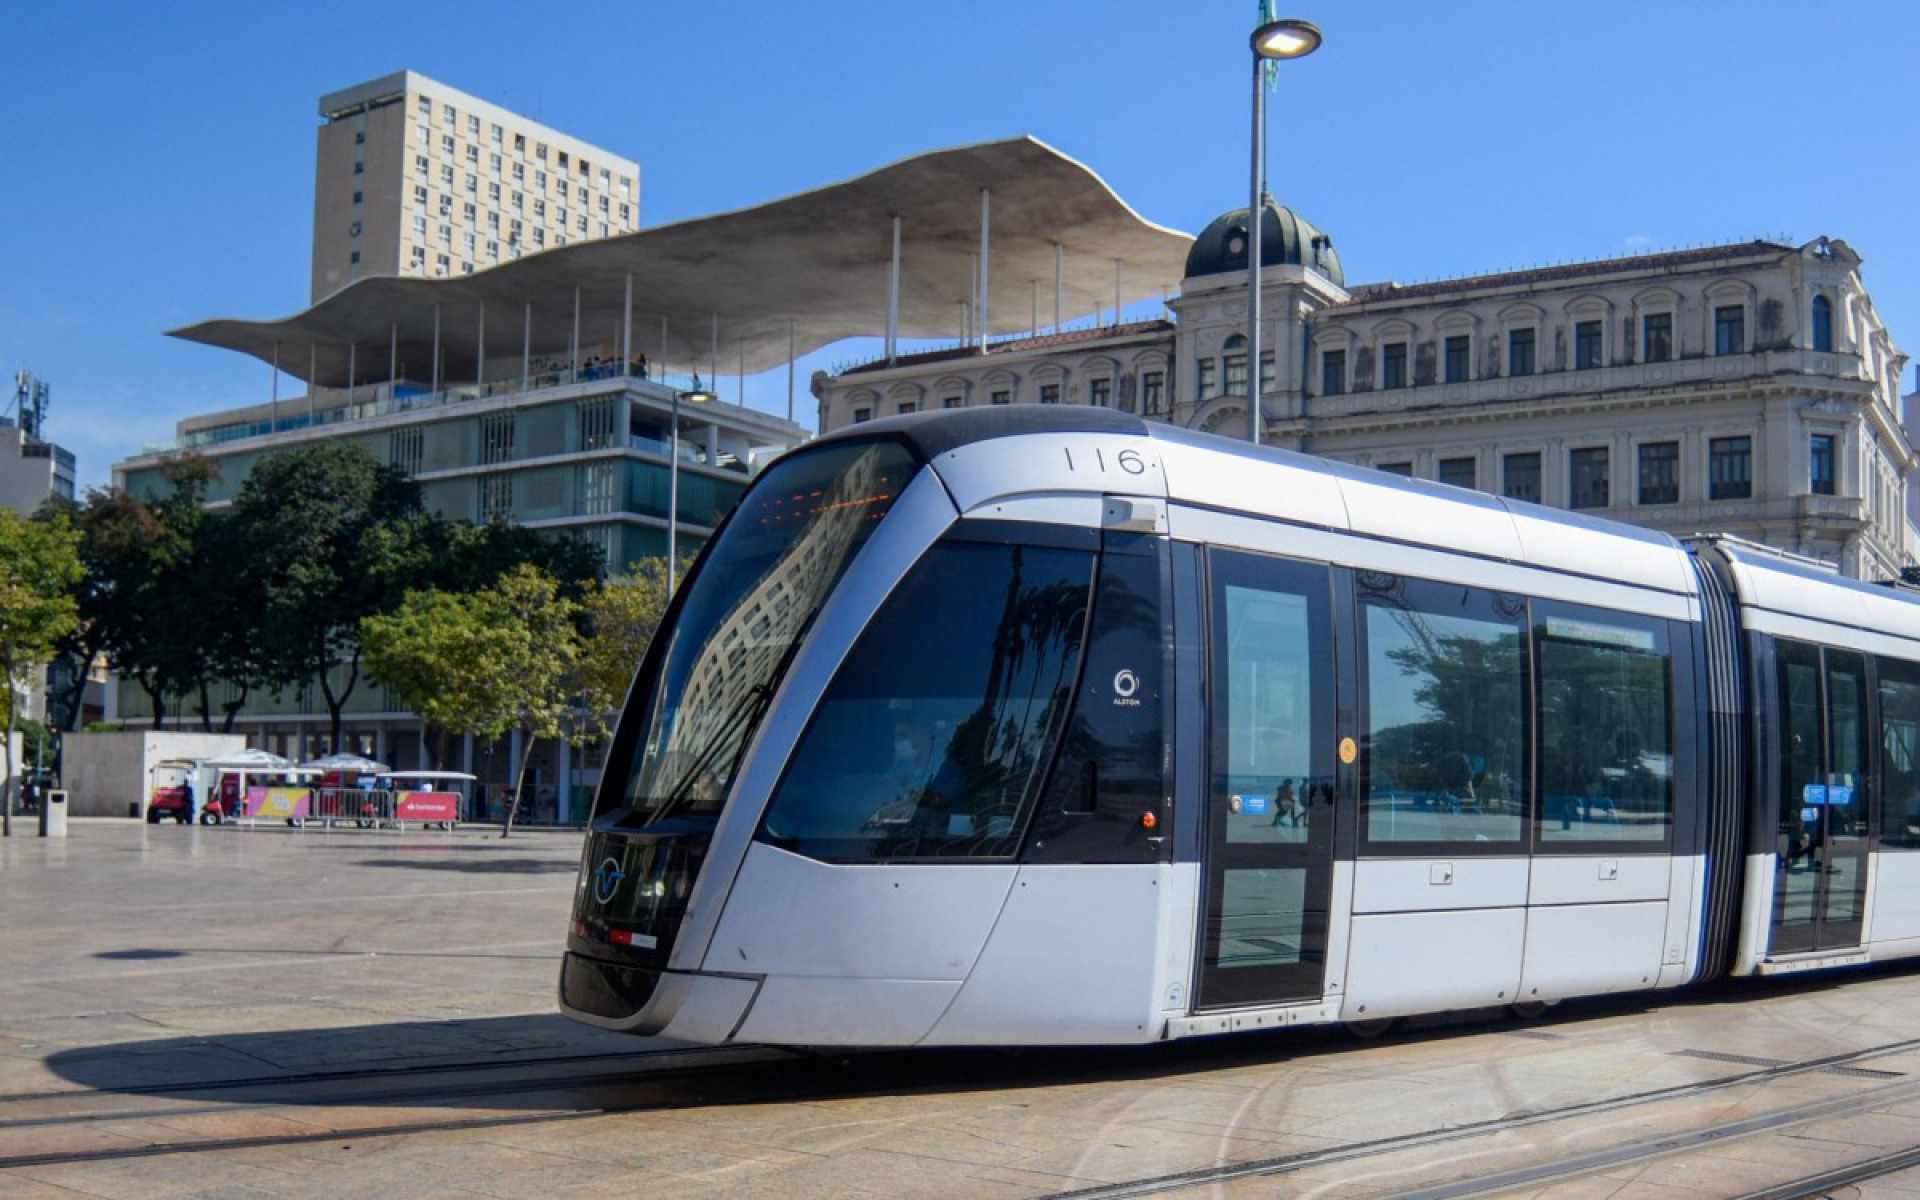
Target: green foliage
x: 622, y: 615
x: 39, y: 568
x: 331, y: 536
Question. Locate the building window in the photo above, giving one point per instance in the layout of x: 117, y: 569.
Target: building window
x: 1206, y: 368
x: 1587, y: 340
x: 1393, y: 365
x: 1333, y: 372
x: 1458, y: 472
x: 1656, y: 337
x: 1822, y: 323
x: 424, y: 106
x: 1660, y: 473
x: 356, y: 197
x: 1587, y: 477
x: 1100, y: 392
x: 1730, y: 468
x: 1730, y: 329
x: 496, y: 438
x: 1459, y: 356
x: 1520, y: 352
x: 952, y: 402
x: 520, y: 142
x: 420, y: 227
x: 908, y: 406
x: 419, y: 164
x: 1153, y: 390
x: 1234, y: 366
x: 1268, y: 372
x: 1520, y: 476
x: 1403, y: 469
x: 359, y: 168
x: 406, y: 449
x: 862, y: 415
x: 446, y: 176
x: 446, y: 113
x: 419, y: 258
x: 496, y: 498
x: 1820, y: 462
x: 1049, y: 393
x: 1001, y: 397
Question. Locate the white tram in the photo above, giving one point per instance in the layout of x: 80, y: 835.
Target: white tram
x: 1049, y: 726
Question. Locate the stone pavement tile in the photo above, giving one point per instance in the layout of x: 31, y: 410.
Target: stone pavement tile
x: 1900, y: 1184
x: 165, y: 1177
x: 18, y: 1185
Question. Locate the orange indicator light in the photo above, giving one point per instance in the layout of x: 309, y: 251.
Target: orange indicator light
x: 1148, y: 820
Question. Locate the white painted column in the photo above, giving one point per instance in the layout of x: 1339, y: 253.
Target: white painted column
x: 893, y: 295
x: 626, y: 330
x: 981, y: 319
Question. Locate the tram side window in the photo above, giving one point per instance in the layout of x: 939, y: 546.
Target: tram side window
x: 1606, y: 730
x: 1110, y: 773
x: 929, y: 739
x: 1900, y: 754
x: 1445, y: 691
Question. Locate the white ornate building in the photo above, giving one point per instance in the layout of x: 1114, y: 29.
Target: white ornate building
x: 1746, y: 388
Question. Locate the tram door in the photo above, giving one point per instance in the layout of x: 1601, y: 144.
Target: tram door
x: 1820, y: 881
x: 1269, y: 849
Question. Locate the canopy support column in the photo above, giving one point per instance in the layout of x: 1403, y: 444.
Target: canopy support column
x: 1059, y: 280
x: 273, y: 398
x: 526, y: 350
x: 573, y: 341
x: 980, y: 320
x: 790, y: 358
x: 436, y: 348
x: 626, y: 329
x: 480, y: 350
x: 893, y: 295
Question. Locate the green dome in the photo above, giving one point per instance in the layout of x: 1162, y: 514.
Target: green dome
x: 1286, y: 239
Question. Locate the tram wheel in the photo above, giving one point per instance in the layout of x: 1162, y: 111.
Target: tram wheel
x: 1366, y: 1029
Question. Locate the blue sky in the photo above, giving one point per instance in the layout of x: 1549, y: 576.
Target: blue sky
x: 160, y: 157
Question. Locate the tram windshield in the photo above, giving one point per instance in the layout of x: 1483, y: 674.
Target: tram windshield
x: 744, y: 614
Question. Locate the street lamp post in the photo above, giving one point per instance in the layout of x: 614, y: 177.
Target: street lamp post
x: 1271, y: 42
x: 695, y: 395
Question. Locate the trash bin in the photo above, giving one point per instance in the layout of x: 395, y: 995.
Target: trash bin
x: 53, y: 813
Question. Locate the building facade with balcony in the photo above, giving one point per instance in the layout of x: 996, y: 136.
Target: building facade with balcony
x: 1748, y: 388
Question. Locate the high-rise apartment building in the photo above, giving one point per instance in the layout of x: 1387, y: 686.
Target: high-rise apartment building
x: 413, y: 177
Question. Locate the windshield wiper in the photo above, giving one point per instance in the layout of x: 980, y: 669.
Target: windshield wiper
x: 747, y: 710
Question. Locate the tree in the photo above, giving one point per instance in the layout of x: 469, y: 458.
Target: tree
x: 39, y: 569
x: 338, y: 537
x: 622, y: 615
x: 489, y: 662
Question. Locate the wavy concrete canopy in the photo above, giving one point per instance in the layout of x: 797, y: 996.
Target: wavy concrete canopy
x: 818, y: 260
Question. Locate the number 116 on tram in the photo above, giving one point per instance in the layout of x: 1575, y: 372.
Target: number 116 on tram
x: 1044, y: 726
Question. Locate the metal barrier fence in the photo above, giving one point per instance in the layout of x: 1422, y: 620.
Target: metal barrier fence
x: 363, y: 808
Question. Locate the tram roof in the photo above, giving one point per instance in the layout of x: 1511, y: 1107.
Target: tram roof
x: 813, y: 265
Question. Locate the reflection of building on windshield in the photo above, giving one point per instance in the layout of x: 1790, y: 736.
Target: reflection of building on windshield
x: 815, y: 525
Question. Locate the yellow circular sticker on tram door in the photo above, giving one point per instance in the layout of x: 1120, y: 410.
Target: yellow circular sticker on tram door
x: 1348, y: 751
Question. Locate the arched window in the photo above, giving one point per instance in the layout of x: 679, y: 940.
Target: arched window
x: 1822, y: 323
x: 1234, y: 365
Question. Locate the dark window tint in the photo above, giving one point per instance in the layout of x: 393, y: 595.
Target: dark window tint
x: 1110, y: 771
x: 1520, y: 476
x: 1730, y: 329
x: 1820, y: 478
x: 1333, y: 372
x: 1660, y: 473
x: 1587, y: 339
x: 1730, y: 468
x: 1444, y: 694
x: 1899, y: 754
x: 1457, y: 471
x: 930, y: 737
x: 1606, y: 743
x: 1393, y: 365
x: 1656, y: 337
x: 1520, y: 352
x: 1822, y: 323
x: 1587, y: 477
x: 1458, y: 351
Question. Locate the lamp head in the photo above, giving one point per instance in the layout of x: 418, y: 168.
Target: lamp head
x: 1291, y: 38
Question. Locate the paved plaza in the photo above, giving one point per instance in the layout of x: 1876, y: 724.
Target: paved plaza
x: 231, y: 1012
